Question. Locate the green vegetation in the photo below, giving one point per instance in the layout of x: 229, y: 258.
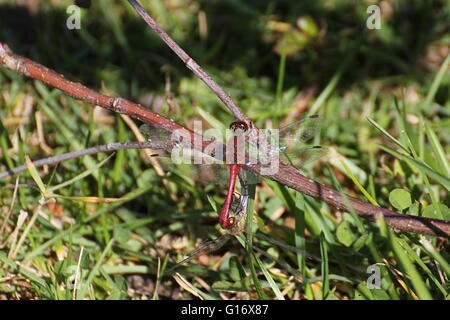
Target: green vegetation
x: 384, y: 97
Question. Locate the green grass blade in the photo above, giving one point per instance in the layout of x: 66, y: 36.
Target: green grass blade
x: 18, y: 268
x: 422, y: 265
x: 128, y: 197
x: 213, y: 121
x: 119, y: 161
x: 360, y: 187
x: 384, y: 132
x: 438, y: 151
x: 269, y: 278
x: 410, y: 270
x: 85, y: 286
x: 324, y: 267
x: 280, y: 81
x: 444, y: 181
x: 430, y: 249
x: 300, y: 227
x: 249, y: 241
x: 81, y: 175
x: 35, y: 175
x: 436, y: 83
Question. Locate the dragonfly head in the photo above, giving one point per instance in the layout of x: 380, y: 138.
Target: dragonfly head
x: 228, y: 223
x: 239, y: 125
x: 235, y: 223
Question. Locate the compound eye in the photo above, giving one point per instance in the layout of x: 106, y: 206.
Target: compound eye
x: 239, y: 125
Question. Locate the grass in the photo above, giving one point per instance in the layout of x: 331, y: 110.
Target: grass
x: 110, y: 228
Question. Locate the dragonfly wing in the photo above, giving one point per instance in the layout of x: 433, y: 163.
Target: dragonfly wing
x: 238, y: 211
x: 155, y: 134
x: 237, y: 204
x: 204, y: 248
x: 300, y: 131
x: 213, y: 174
x: 305, y: 155
x: 294, y: 138
x: 247, y: 178
x: 182, y: 153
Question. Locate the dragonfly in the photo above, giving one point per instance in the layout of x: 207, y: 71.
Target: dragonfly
x: 237, y: 213
x: 291, y: 148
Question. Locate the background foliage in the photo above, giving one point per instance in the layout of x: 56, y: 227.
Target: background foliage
x: 280, y: 60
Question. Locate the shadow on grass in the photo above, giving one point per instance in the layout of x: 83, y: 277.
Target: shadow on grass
x: 116, y: 47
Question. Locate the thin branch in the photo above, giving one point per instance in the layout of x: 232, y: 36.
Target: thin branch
x: 116, y: 104
x: 191, y: 64
x: 110, y: 147
x: 287, y: 175
x: 290, y: 177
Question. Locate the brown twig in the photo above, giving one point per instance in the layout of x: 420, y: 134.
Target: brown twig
x: 78, y: 91
x: 290, y: 177
x: 286, y: 175
x: 253, y: 132
x: 110, y: 147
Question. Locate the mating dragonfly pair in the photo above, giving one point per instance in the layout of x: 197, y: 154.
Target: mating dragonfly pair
x: 290, y: 146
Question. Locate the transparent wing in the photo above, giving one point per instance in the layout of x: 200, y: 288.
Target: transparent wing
x: 184, y: 161
x: 204, y: 248
x: 305, y: 155
x: 155, y: 134
x: 294, y: 139
x: 238, y: 205
x: 180, y: 154
x: 238, y: 211
x: 300, y: 131
x: 290, y: 143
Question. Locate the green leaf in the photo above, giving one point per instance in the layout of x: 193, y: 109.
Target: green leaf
x: 435, y: 210
x: 360, y: 242
x: 122, y: 235
x: 345, y: 234
x: 132, y: 245
x: 414, y: 209
x: 400, y: 199
x: 308, y: 25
